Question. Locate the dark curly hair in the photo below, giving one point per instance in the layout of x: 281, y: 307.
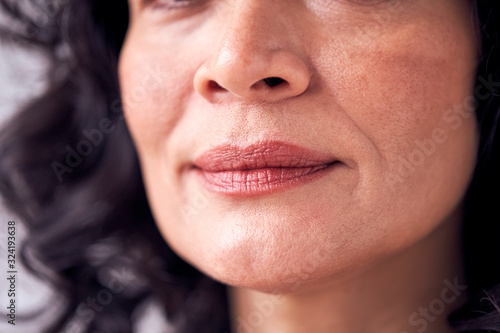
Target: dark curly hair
x: 69, y: 170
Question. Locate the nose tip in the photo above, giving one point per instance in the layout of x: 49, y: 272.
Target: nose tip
x: 272, y: 77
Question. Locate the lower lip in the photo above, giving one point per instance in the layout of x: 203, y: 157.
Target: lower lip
x: 246, y: 183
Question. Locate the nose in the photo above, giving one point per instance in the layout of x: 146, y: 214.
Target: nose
x: 258, y: 58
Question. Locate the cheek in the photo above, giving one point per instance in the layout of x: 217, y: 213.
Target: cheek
x: 409, y: 99
x: 155, y: 86
x: 398, y: 84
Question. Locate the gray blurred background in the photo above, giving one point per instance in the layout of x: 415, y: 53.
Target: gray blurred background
x: 21, y: 77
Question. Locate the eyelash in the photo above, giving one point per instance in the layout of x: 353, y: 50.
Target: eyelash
x: 184, y: 4
x: 169, y: 4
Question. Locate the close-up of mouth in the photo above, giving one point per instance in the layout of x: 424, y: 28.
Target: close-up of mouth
x: 261, y: 168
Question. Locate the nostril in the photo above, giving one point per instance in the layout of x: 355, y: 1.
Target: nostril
x: 273, y: 81
x: 214, y: 85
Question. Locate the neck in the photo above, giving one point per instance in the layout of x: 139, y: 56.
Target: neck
x: 412, y: 291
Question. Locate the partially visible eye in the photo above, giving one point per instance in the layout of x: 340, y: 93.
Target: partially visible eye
x: 367, y: 2
x: 169, y: 4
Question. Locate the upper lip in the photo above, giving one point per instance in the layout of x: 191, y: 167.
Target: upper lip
x: 266, y: 154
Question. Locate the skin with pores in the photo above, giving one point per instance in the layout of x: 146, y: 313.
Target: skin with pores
x: 351, y: 243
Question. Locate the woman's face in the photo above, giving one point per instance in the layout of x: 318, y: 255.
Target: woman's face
x: 218, y: 95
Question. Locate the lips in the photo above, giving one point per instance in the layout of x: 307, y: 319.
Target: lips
x: 261, y: 168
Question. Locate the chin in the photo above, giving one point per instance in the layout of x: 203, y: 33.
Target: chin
x: 278, y: 266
